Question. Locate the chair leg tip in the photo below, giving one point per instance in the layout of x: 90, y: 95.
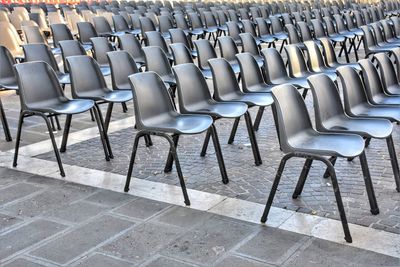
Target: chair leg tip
x: 126, y: 189
x: 348, y: 239
x: 398, y: 189
x: 62, y: 174
x: 225, y: 181
x: 326, y: 176
x: 263, y: 220
x: 375, y: 211
x: 187, y: 203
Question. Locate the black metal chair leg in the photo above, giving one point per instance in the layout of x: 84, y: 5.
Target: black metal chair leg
x: 333, y: 161
x: 170, y: 159
x: 233, y: 132
x: 101, y: 124
x: 57, y: 122
x: 132, y: 161
x: 395, y: 163
x: 205, y: 144
x: 91, y: 115
x: 368, y: 184
x: 5, y: 123
x: 302, y: 178
x: 53, y: 126
x: 102, y: 133
x: 345, y: 52
x: 258, y: 118
x: 304, y: 94
x: 282, y: 45
x: 66, y: 133
x: 273, y: 108
x: 124, y: 107
x: 108, y: 116
x: 253, y: 139
x: 53, y: 141
x: 274, y: 187
x: 148, y: 140
x: 218, y: 153
x: 178, y: 168
x: 17, y: 142
x: 367, y: 142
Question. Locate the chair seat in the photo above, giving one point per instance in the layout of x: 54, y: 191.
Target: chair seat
x: 387, y: 100
x: 74, y: 106
x: 337, y: 38
x: 348, y: 34
x: 386, y: 112
x: 105, y: 70
x: 9, y: 84
x: 87, y: 47
x: 136, y: 31
x: 336, y: 65
x: 117, y: 96
x: 223, y: 28
x: 357, y: 32
x: 260, y: 88
x: 196, y: 32
x: 178, y: 123
x: 211, y: 29
x: 266, y: 39
x: 327, y: 144
x: 63, y: 78
x: 280, y: 36
x: 251, y: 99
x: 170, y: 79
x: 219, y: 109
x: 394, y: 89
x: 375, y: 128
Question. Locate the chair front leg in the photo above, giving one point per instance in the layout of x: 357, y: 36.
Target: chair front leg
x: 253, y: 139
x: 302, y: 178
x: 368, y: 184
x: 108, y: 116
x: 132, y: 161
x: 333, y: 161
x: 102, y: 133
x: 5, y: 123
x: 205, y: 144
x: 170, y: 159
x: 233, y: 131
x: 17, y: 142
x: 66, y: 133
x: 395, y: 163
x: 258, y: 118
x: 218, y: 153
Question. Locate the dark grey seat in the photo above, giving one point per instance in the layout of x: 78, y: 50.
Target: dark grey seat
x: 121, y: 26
x: 41, y: 95
x: 129, y: 43
x: 370, y: 44
x: 316, y: 61
x: 234, y: 32
x: 330, y: 55
x: 331, y: 117
x: 179, y: 36
x: 157, y: 61
x: 278, y: 31
x: 249, y: 45
x: 388, y: 74
x: 205, y: 51
x: 101, y: 46
x: 229, y: 50
x: 155, y: 115
x: 86, y: 31
x: 248, y: 26
x: 122, y: 65
x: 298, y: 138
x: 61, y: 32
x: 154, y: 38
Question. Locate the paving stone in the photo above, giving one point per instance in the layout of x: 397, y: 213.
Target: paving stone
x: 231, y: 261
x: 183, y: 217
x: 76, y: 212
x: 17, y: 191
x: 141, y: 242
x: 76, y: 242
x: 23, y: 263
x: 100, y: 260
x: 208, y: 241
x: 7, y: 221
x: 325, y: 253
x: 26, y: 236
x: 272, y: 245
x: 167, y: 262
x: 109, y: 198
x: 141, y: 208
x: 8, y: 176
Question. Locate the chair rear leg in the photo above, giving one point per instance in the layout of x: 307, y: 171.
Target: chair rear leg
x: 282, y: 45
x: 124, y: 107
x: 17, y: 142
x: 218, y: 153
x: 368, y: 184
x: 57, y: 122
x: 233, y: 132
x: 302, y: 178
x: 102, y: 134
x: 395, y: 163
x: 66, y: 133
x: 108, y: 116
x: 101, y: 124
x: 304, y: 94
x: 170, y: 159
x: 205, y: 144
x: 333, y: 161
x: 132, y: 161
x: 258, y: 118
x: 5, y: 123
x: 253, y: 139
x: 148, y: 140
x: 91, y: 115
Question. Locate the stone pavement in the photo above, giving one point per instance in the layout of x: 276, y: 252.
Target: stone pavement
x: 49, y: 222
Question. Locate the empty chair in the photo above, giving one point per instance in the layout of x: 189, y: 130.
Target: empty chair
x: 228, y: 51
x: 380, y: 38
x: 316, y: 61
x: 249, y: 45
x: 294, y: 37
x: 248, y: 26
x: 86, y: 31
x: 388, y: 74
x: 129, y: 43
x: 180, y: 53
x: 121, y: 26
x: 70, y: 48
x: 330, y: 55
x: 181, y: 23
x: 101, y: 46
x: 154, y: 38
x: 211, y: 26
x: 205, y: 51
x: 339, y: 38
x: 263, y: 29
x: 388, y: 33
x: 41, y: 95
x: 33, y: 35
x: 234, y: 31
x: 157, y: 61
x: 226, y: 88
x: 196, y: 24
x: 305, y: 31
x: 122, y: 65
x: 41, y: 52
x: 165, y: 26
x: 297, y: 138
x: 61, y: 32
x: 370, y: 45
x: 342, y: 30
x: 87, y: 82
x: 9, y: 38
x: 146, y: 25
x: 278, y: 31
x: 331, y: 117
x: 179, y: 36
x: 102, y: 26
x: 155, y: 115
x: 373, y: 86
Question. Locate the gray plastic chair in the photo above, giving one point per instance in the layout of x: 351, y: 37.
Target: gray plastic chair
x: 155, y: 115
x: 229, y: 50
x: 179, y: 36
x: 61, y: 32
x: 387, y: 72
x: 249, y: 45
x: 234, y: 32
x: 316, y: 61
x: 157, y: 61
x: 180, y: 53
x: 129, y: 43
x: 298, y: 138
x: 330, y: 55
x: 205, y: 51
x: 86, y: 31
x: 41, y: 95
x: 154, y: 38
x: 101, y: 46
x: 371, y: 46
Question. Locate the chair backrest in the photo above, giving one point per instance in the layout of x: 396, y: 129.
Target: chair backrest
x: 368, y: 38
x: 396, y: 54
x: 222, y: 18
x: 33, y: 35
x: 249, y: 44
x: 228, y: 48
x: 151, y: 98
x: 9, y: 38
x: 146, y: 25
x: 224, y: 79
x: 40, y: 52
x: 101, y: 25
x: 274, y: 66
x: 191, y: 86
x: 287, y: 19
x: 291, y: 115
x: 248, y: 26
x: 180, y: 53
x: 340, y: 26
x: 70, y: 48
x: 181, y: 22
x: 376, y: 27
x: 396, y: 25
x: 233, y: 30
x: 156, y: 60
x: 330, y: 27
x: 372, y: 81
x: 195, y: 20
x: 85, y: 75
x: 122, y: 65
x: 387, y: 30
x: 7, y: 75
x: 233, y: 16
x: 86, y: 31
x: 101, y: 46
x: 135, y: 18
x: 165, y: 23
x: 38, y: 85
x: 129, y: 43
x: 60, y: 32
x: 293, y: 34
x: 349, y: 21
x: 276, y: 25
x: 315, y: 58
x: 319, y: 30
x: 304, y: 31
x: 179, y: 36
x: 250, y: 73
x: 329, y: 51
x: 4, y: 16
x: 120, y: 24
x: 262, y: 27
x: 154, y: 38
x: 205, y: 51
x: 296, y: 61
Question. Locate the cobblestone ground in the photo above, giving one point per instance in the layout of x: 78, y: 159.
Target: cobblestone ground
x: 48, y: 222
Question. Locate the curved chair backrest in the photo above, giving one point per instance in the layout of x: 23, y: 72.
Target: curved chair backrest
x: 181, y: 22
x: 70, y: 48
x: 146, y: 25
x: 129, y: 43
x: 60, y: 32
x: 205, y: 51
x: 156, y: 60
x: 296, y: 61
x: 315, y: 58
x: 329, y: 51
x: 7, y: 75
x: 233, y: 16
x: 262, y: 27
x: 396, y: 26
x: 376, y: 27
x: 180, y: 53
x: 40, y: 52
x: 359, y: 18
x: 195, y: 20
x: 228, y: 48
x: 86, y: 31
x: 135, y: 18
x: 122, y: 65
x: 326, y: 98
x: 151, y: 98
x: 368, y: 38
x: 101, y: 25
x: 250, y: 73
x: 319, y: 30
x: 9, y: 38
x: 249, y: 44
x: 191, y: 86
x: 366, y: 15
x: 85, y: 75
x: 179, y: 36
x: 155, y: 38
x: 222, y: 18
x: 233, y: 30
x: 340, y: 26
x: 287, y: 19
x: 304, y: 31
x: 387, y: 30
x: 274, y: 66
x: 349, y: 21
x: 224, y: 79
x: 37, y: 83
x: 244, y: 14
x: 276, y: 25
x: 33, y: 35
x: 291, y: 115
x: 330, y: 28
x: 101, y: 46
x: 353, y: 88
x: 248, y: 26
x: 396, y: 54
x: 120, y: 24
x: 293, y: 34
x: 372, y: 81
x: 165, y: 23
